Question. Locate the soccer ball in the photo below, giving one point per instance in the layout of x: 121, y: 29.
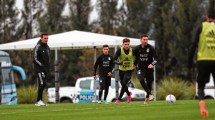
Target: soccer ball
x: 170, y: 98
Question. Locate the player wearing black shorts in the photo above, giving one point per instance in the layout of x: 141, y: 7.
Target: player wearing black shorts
x: 204, y: 40
x: 105, y: 63
x: 145, y: 60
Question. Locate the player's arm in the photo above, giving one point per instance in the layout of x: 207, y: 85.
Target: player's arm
x: 193, y: 46
x: 95, y: 67
x: 154, y: 57
x: 116, y: 56
x: 36, y: 52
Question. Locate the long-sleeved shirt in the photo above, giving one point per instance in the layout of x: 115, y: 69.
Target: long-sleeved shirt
x: 41, y: 57
x: 144, y: 56
x: 105, y: 64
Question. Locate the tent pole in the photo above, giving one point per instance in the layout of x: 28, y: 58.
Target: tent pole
x: 155, y: 84
x: 95, y: 53
x: 57, y: 82
x: 116, y: 76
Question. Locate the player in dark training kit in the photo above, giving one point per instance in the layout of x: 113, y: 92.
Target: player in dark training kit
x: 105, y: 63
x: 145, y: 60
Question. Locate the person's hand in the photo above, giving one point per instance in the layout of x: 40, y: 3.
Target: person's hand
x: 150, y: 66
x: 94, y: 77
x: 134, y: 67
x: 109, y: 74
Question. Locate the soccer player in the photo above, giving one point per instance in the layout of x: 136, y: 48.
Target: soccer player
x: 124, y: 57
x: 204, y: 40
x: 105, y: 63
x: 145, y: 60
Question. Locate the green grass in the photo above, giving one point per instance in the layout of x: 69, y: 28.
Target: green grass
x: 156, y: 110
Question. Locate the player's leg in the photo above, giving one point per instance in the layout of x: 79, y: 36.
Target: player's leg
x: 126, y: 79
x: 101, y: 87
x: 149, y: 82
x: 122, y: 91
x: 202, y: 79
x: 107, y: 84
x: 41, y: 86
x: 141, y: 78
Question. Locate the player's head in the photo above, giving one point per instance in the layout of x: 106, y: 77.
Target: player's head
x: 144, y: 39
x: 126, y: 43
x: 44, y: 38
x: 105, y: 49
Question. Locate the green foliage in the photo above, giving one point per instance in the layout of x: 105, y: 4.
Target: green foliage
x: 28, y: 94
x: 79, y: 14
x: 176, y: 86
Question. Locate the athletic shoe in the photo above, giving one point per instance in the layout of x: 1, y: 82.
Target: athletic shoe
x: 203, y: 109
x: 129, y: 98
x: 105, y: 102
x: 146, y: 101
x: 117, y: 102
x: 99, y: 101
x: 151, y: 97
x: 40, y: 103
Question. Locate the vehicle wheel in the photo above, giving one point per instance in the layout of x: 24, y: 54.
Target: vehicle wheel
x: 66, y: 100
x: 208, y: 97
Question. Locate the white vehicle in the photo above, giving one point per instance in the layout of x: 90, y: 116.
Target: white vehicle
x: 209, y: 89
x: 86, y: 90
x: 66, y: 94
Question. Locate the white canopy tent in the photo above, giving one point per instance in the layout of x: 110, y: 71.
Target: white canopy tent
x: 73, y: 40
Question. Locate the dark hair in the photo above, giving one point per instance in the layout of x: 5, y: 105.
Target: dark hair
x: 144, y: 35
x: 105, y: 45
x: 43, y: 35
x: 211, y: 9
x: 125, y: 40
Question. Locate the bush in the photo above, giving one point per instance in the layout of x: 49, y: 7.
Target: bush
x: 181, y: 89
x: 28, y: 94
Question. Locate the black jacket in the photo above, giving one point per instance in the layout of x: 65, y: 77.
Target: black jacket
x: 41, y: 57
x: 105, y: 63
x: 144, y: 56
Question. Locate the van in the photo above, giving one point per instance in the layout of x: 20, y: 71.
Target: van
x: 8, y: 93
x: 86, y: 90
x: 209, y: 89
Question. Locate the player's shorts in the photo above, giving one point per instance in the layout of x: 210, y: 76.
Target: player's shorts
x: 205, y: 68
x: 104, y: 81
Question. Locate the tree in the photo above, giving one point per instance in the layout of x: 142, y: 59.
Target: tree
x: 187, y: 15
x: 52, y: 21
x: 9, y: 19
x: 138, y: 17
x: 29, y: 26
x: 162, y: 32
x: 107, y: 12
x: 79, y: 14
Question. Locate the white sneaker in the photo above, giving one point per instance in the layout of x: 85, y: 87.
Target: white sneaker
x: 146, y: 101
x: 151, y: 97
x: 99, y: 101
x: 40, y: 103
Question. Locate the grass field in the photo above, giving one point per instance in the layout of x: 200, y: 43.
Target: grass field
x: 156, y: 110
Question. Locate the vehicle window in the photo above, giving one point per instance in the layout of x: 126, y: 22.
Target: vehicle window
x: 7, y: 76
x: 97, y: 84
x: 85, y: 84
x: 113, y: 84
